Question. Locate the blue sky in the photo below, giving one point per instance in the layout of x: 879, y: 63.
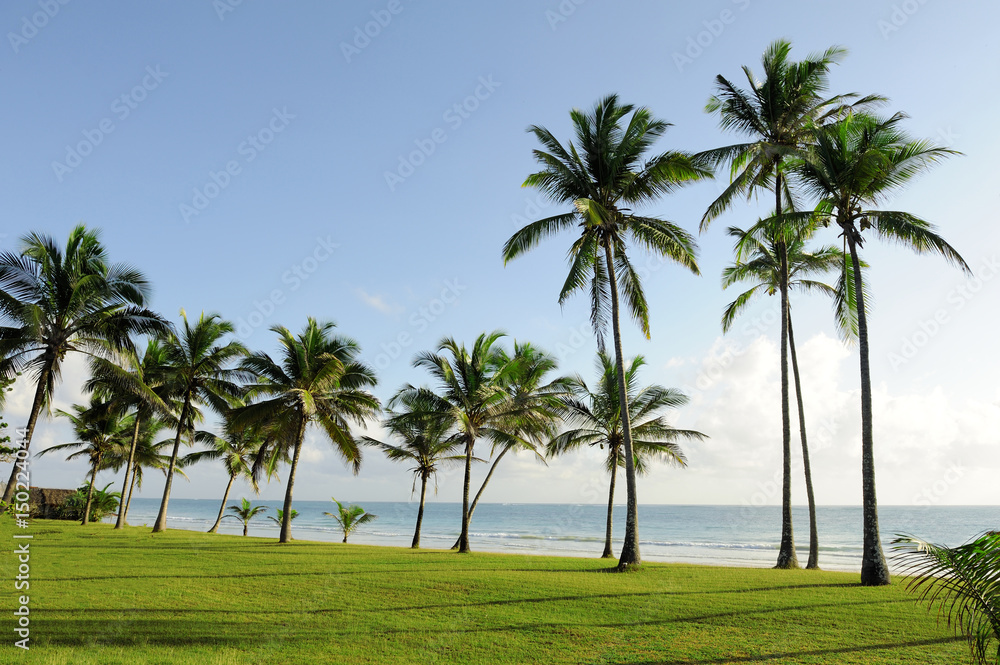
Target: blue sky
x: 238, y: 153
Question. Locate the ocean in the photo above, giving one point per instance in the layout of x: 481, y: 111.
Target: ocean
x: 713, y: 535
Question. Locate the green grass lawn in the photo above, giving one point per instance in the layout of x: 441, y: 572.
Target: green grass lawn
x: 100, y: 596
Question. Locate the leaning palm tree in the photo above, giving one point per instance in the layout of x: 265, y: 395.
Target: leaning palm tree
x: 778, y: 114
x: 319, y: 381
x: 147, y: 454
x: 132, y: 382
x: 758, y: 261
x: 426, y: 442
x: 536, y: 403
x: 604, y: 175
x: 964, y: 582
x: 350, y: 517
x: 197, y: 370
x: 246, y: 512
x: 99, y: 428
x: 237, y: 449
x: 472, y: 396
x: 57, y: 301
x: 854, y: 166
x: 595, y: 419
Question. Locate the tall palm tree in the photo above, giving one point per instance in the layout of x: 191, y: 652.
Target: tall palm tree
x: 855, y: 165
x: 426, y: 443
x: 132, y: 382
x: 350, y: 517
x: 197, y: 370
x: 604, y: 175
x: 99, y: 428
x: 472, y: 396
x: 246, y: 512
x: 758, y: 260
x: 595, y: 420
x: 778, y: 114
x: 56, y: 301
x: 319, y: 381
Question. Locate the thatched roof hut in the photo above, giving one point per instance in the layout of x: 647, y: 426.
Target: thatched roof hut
x: 47, y: 503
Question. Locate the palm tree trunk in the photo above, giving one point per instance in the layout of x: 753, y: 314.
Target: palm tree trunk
x: 787, y: 557
x: 36, y: 408
x: 120, y: 522
x: 630, y: 547
x: 420, y: 512
x: 475, y: 502
x: 813, y: 563
x: 786, y: 553
x: 246, y: 526
x: 286, y: 514
x: 130, y: 488
x: 90, y: 492
x: 463, y: 538
x: 874, y: 571
x: 608, y: 554
x: 222, y: 508
x: 161, y: 517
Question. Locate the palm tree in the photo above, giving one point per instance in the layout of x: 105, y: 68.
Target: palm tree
x: 471, y: 396
x: 758, y: 260
x: 595, y: 420
x: 246, y: 512
x: 854, y: 165
x: 350, y: 517
x: 537, y: 403
x: 132, y: 382
x: 778, y: 114
x: 101, y: 502
x: 147, y: 455
x: 426, y: 441
x: 237, y: 449
x: 606, y: 173
x: 99, y: 429
x: 964, y: 582
x: 281, y: 516
x: 54, y: 302
x: 320, y: 380
x: 196, y: 371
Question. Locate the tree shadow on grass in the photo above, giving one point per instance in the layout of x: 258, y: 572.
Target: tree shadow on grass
x: 801, y: 654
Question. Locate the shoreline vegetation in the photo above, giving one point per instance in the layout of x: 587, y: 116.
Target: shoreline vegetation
x: 186, y: 597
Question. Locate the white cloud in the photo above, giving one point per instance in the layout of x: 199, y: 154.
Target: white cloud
x: 378, y: 302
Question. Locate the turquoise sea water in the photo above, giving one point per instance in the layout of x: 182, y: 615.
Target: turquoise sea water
x: 715, y: 535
